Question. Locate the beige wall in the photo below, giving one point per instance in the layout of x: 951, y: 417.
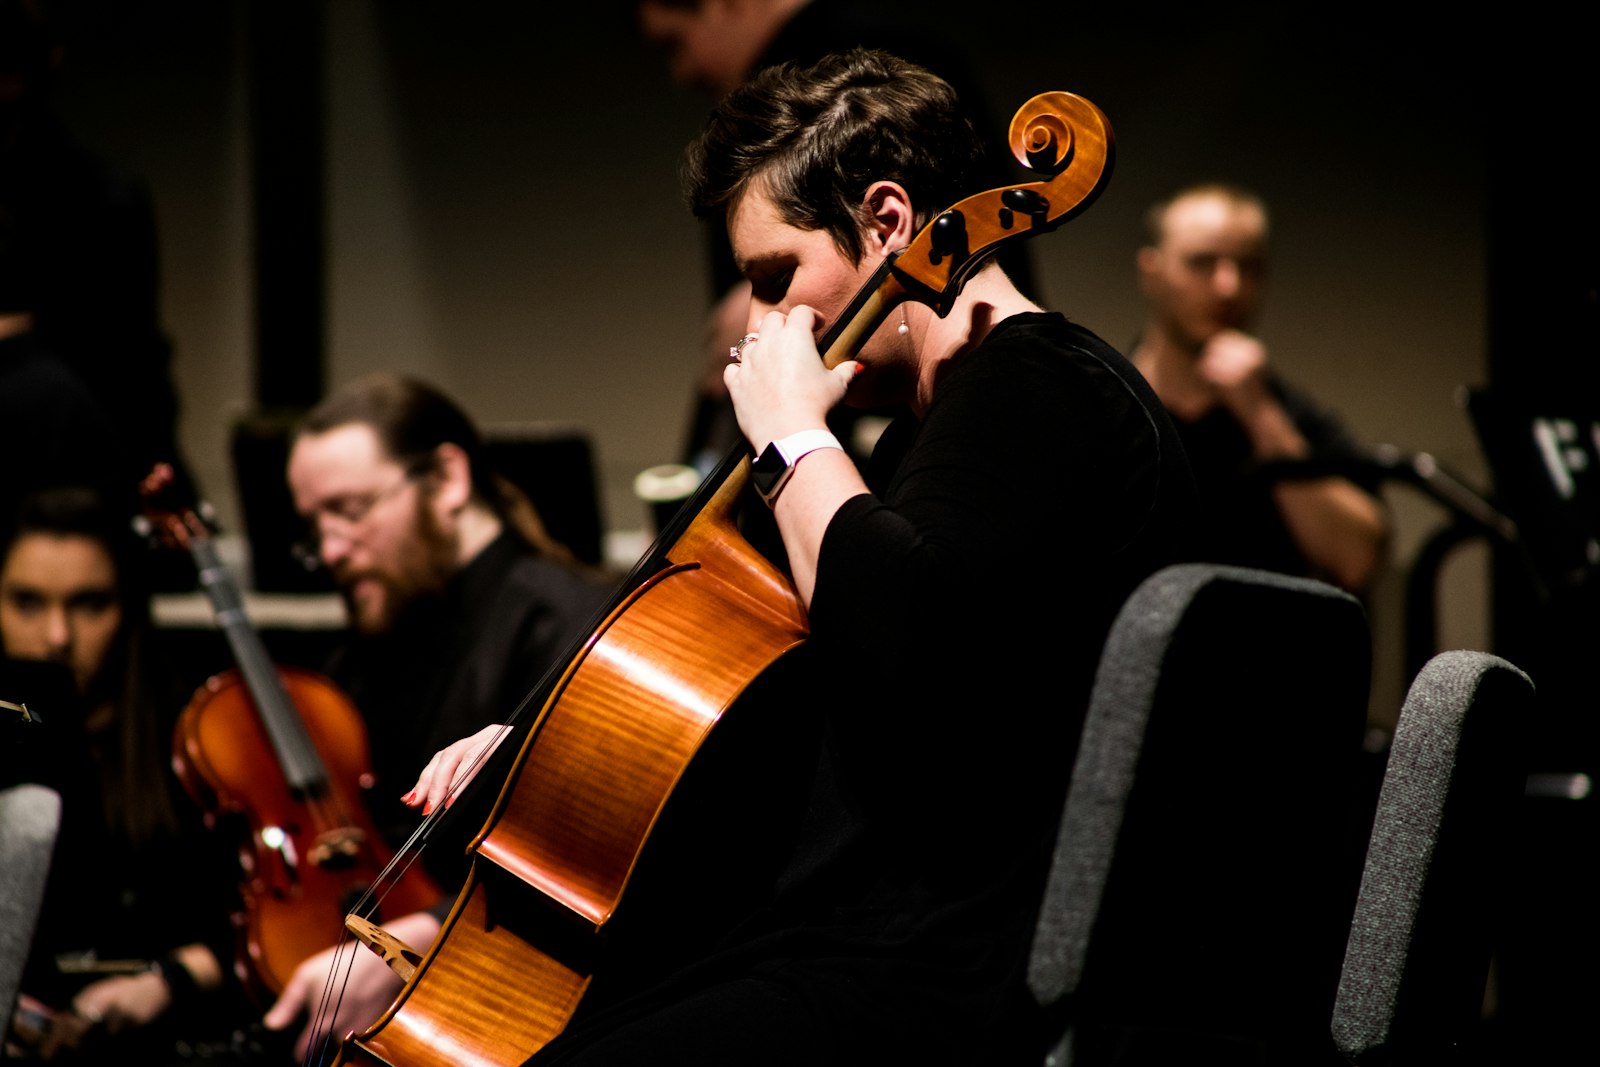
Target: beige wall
x: 503, y: 218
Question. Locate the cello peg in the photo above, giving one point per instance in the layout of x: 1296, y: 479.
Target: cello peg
x: 949, y: 238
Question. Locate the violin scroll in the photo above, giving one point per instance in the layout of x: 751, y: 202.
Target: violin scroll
x: 167, y: 522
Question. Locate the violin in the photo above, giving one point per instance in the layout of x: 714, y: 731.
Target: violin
x: 616, y: 725
x: 285, y: 750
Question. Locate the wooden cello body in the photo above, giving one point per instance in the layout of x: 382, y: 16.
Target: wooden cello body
x: 601, y: 760
x: 281, y: 753
x: 700, y: 618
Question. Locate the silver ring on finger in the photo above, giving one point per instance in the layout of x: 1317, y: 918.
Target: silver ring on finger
x: 736, y: 353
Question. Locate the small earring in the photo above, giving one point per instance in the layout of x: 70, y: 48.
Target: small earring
x: 903, y: 329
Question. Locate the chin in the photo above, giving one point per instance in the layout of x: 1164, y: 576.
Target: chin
x: 366, y: 617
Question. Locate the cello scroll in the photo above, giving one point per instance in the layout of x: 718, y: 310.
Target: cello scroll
x: 1059, y: 135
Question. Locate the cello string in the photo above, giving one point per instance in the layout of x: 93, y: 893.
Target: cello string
x: 932, y: 286
x: 371, y: 900
x: 317, y: 1049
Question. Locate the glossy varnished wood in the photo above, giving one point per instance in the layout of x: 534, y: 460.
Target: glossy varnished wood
x: 701, y: 617
x: 292, y: 906
x: 611, y: 742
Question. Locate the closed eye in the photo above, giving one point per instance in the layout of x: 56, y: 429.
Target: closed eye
x: 24, y: 601
x: 770, y: 287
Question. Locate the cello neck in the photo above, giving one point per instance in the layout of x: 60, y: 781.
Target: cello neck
x: 1062, y: 138
x: 720, y: 490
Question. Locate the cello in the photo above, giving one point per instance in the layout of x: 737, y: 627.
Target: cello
x: 615, y: 727
x: 285, y: 749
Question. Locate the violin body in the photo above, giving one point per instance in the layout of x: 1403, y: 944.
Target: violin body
x: 281, y: 751
x: 302, y: 871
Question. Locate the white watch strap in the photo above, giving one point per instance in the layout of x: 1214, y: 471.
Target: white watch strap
x: 799, y: 444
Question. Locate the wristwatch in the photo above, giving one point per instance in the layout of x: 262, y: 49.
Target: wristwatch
x: 771, y: 470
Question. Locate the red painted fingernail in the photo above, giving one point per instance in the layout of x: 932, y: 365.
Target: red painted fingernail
x: 427, y: 809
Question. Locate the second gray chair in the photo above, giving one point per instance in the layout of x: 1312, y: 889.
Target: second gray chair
x: 1418, y: 956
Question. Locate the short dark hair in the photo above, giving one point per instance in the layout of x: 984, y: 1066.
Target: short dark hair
x: 411, y: 419
x: 1155, y: 216
x: 817, y: 137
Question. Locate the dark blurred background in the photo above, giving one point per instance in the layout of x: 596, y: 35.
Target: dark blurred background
x: 485, y: 194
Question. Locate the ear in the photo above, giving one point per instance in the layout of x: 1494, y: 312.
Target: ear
x: 893, y: 220
x: 452, y: 479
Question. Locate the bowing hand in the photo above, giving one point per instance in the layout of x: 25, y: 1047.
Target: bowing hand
x: 345, y: 987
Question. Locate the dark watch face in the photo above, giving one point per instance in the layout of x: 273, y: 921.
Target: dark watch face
x: 766, y: 471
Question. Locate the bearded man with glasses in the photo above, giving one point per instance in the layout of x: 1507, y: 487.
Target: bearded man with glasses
x: 455, y: 616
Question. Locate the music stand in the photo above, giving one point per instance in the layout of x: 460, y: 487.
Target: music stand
x: 1545, y: 461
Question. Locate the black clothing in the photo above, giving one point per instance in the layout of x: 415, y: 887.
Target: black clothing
x: 56, y: 432
x: 115, y: 902
x: 1239, y: 522
x: 88, y: 230
x: 455, y: 665
x: 957, y: 621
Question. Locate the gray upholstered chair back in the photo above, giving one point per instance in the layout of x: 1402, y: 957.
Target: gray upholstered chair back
x: 1418, y: 957
x: 1210, y: 844
x: 30, y: 816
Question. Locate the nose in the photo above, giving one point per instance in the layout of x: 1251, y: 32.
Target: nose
x: 758, y: 307
x: 1227, y: 278
x: 58, y: 630
x: 333, y: 546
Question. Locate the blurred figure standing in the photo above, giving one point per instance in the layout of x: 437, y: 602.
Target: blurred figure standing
x: 93, y: 258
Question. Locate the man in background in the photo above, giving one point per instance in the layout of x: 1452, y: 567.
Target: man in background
x: 455, y: 618
x: 1282, y: 480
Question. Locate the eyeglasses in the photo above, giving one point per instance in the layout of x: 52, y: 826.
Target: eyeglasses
x: 343, y: 517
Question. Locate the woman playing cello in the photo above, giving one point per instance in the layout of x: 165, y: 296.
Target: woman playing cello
x: 958, y: 597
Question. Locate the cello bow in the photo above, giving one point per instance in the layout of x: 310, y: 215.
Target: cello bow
x: 617, y: 723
